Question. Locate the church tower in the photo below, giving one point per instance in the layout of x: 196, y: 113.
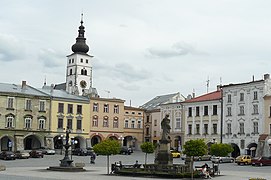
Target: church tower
x: 79, y: 66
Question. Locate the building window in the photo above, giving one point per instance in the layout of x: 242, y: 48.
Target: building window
x: 189, y: 128
x: 106, y: 108
x: 242, y: 142
x: 229, y: 98
x: 10, y: 102
x: 155, y: 122
x: 28, y: 104
x: 139, y: 124
x: 95, y: 107
x: 105, y: 122
x: 242, y: 96
x: 126, y: 123
x: 178, y: 123
x: 214, y: 109
x: 205, y: 110
x: 81, y: 60
x: 133, y: 112
x: 60, y: 123
x: 70, y: 71
x: 255, y: 128
x: 115, y: 123
x: 133, y: 124
x: 242, y: 128
x: 95, y: 121
x: 190, y: 112
x: 116, y: 109
x: 214, y: 128
x: 205, y: 128
x: 242, y: 110
x: 72, y: 60
x: 139, y: 113
x: 255, y: 109
x: 27, y: 123
x: 41, y: 124
x: 42, y: 106
x: 79, y: 109
x: 154, y: 133
x: 255, y: 95
x: 70, y: 108
x: 79, y: 124
x: 148, y: 119
x: 9, y: 121
x: 69, y: 123
x: 147, y: 131
x: 197, y: 128
x: 228, y: 111
x: 197, y: 111
x: 228, y: 128
x: 87, y: 61
x: 60, y: 108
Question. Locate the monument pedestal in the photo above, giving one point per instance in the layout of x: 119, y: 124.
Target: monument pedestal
x: 163, y: 155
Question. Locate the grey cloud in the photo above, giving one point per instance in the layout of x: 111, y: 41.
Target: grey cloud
x: 128, y: 73
x: 129, y: 87
x: 51, y: 58
x: 177, y: 49
x: 10, y: 48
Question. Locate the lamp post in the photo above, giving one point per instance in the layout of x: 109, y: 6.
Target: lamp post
x: 61, y: 137
x: 121, y: 140
x: 73, y: 142
x: 269, y: 143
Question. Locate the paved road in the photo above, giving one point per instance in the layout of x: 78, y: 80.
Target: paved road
x: 35, y: 169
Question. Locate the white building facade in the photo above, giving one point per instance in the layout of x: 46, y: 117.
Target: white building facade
x: 243, y: 117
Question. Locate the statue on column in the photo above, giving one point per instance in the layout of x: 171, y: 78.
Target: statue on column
x: 165, y: 125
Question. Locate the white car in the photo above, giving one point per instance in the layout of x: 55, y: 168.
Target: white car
x: 226, y: 159
x: 47, y: 151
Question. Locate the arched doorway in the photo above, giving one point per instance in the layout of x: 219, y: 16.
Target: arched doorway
x: 31, y: 142
x: 79, y: 142
x: 251, y: 149
x: 58, y: 142
x: 95, y: 140
x: 6, y: 144
x: 236, y: 150
x: 113, y: 138
x: 178, y: 143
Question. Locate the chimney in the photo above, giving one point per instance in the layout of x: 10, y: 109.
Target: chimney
x: 266, y: 76
x: 23, y: 84
x: 218, y: 87
x: 193, y: 95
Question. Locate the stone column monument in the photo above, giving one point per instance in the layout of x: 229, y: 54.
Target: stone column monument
x: 163, y: 155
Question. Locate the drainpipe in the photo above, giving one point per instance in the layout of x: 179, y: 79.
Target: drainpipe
x: 221, y: 118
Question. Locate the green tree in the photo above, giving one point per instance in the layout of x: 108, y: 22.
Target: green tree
x: 107, y: 148
x: 221, y: 149
x: 194, y: 148
x: 147, y: 148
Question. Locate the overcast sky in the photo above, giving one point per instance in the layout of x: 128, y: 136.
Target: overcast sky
x: 141, y: 48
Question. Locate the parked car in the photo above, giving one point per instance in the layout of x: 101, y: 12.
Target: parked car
x: 79, y: 152
x: 204, y: 158
x: 226, y: 159
x: 36, y: 154
x: 175, y: 154
x: 243, y: 160
x: 47, y: 151
x: 7, y: 155
x: 22, y: 154
x: 261, y: 161
x: 125, y: 150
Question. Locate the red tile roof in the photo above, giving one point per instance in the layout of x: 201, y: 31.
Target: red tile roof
x: 216, y: 95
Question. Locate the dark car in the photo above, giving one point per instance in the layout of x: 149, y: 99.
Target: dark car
x: 261, y: 161
x: 80, y: 152
x: 36, y: 154
x: 7, y: 155
x: 125, y: 150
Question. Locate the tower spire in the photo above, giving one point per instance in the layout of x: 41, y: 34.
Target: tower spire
x: 80, y: 46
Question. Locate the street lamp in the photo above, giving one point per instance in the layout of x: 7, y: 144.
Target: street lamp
x: 73, y: 142
x: 269, y: 143
x: 61, y: 137
x: 121, y: 140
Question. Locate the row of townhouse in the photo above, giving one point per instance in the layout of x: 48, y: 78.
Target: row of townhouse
x: 237, y: 114
x: 32, y: 118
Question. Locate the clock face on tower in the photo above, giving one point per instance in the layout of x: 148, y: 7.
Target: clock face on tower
x: 83, y: 84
